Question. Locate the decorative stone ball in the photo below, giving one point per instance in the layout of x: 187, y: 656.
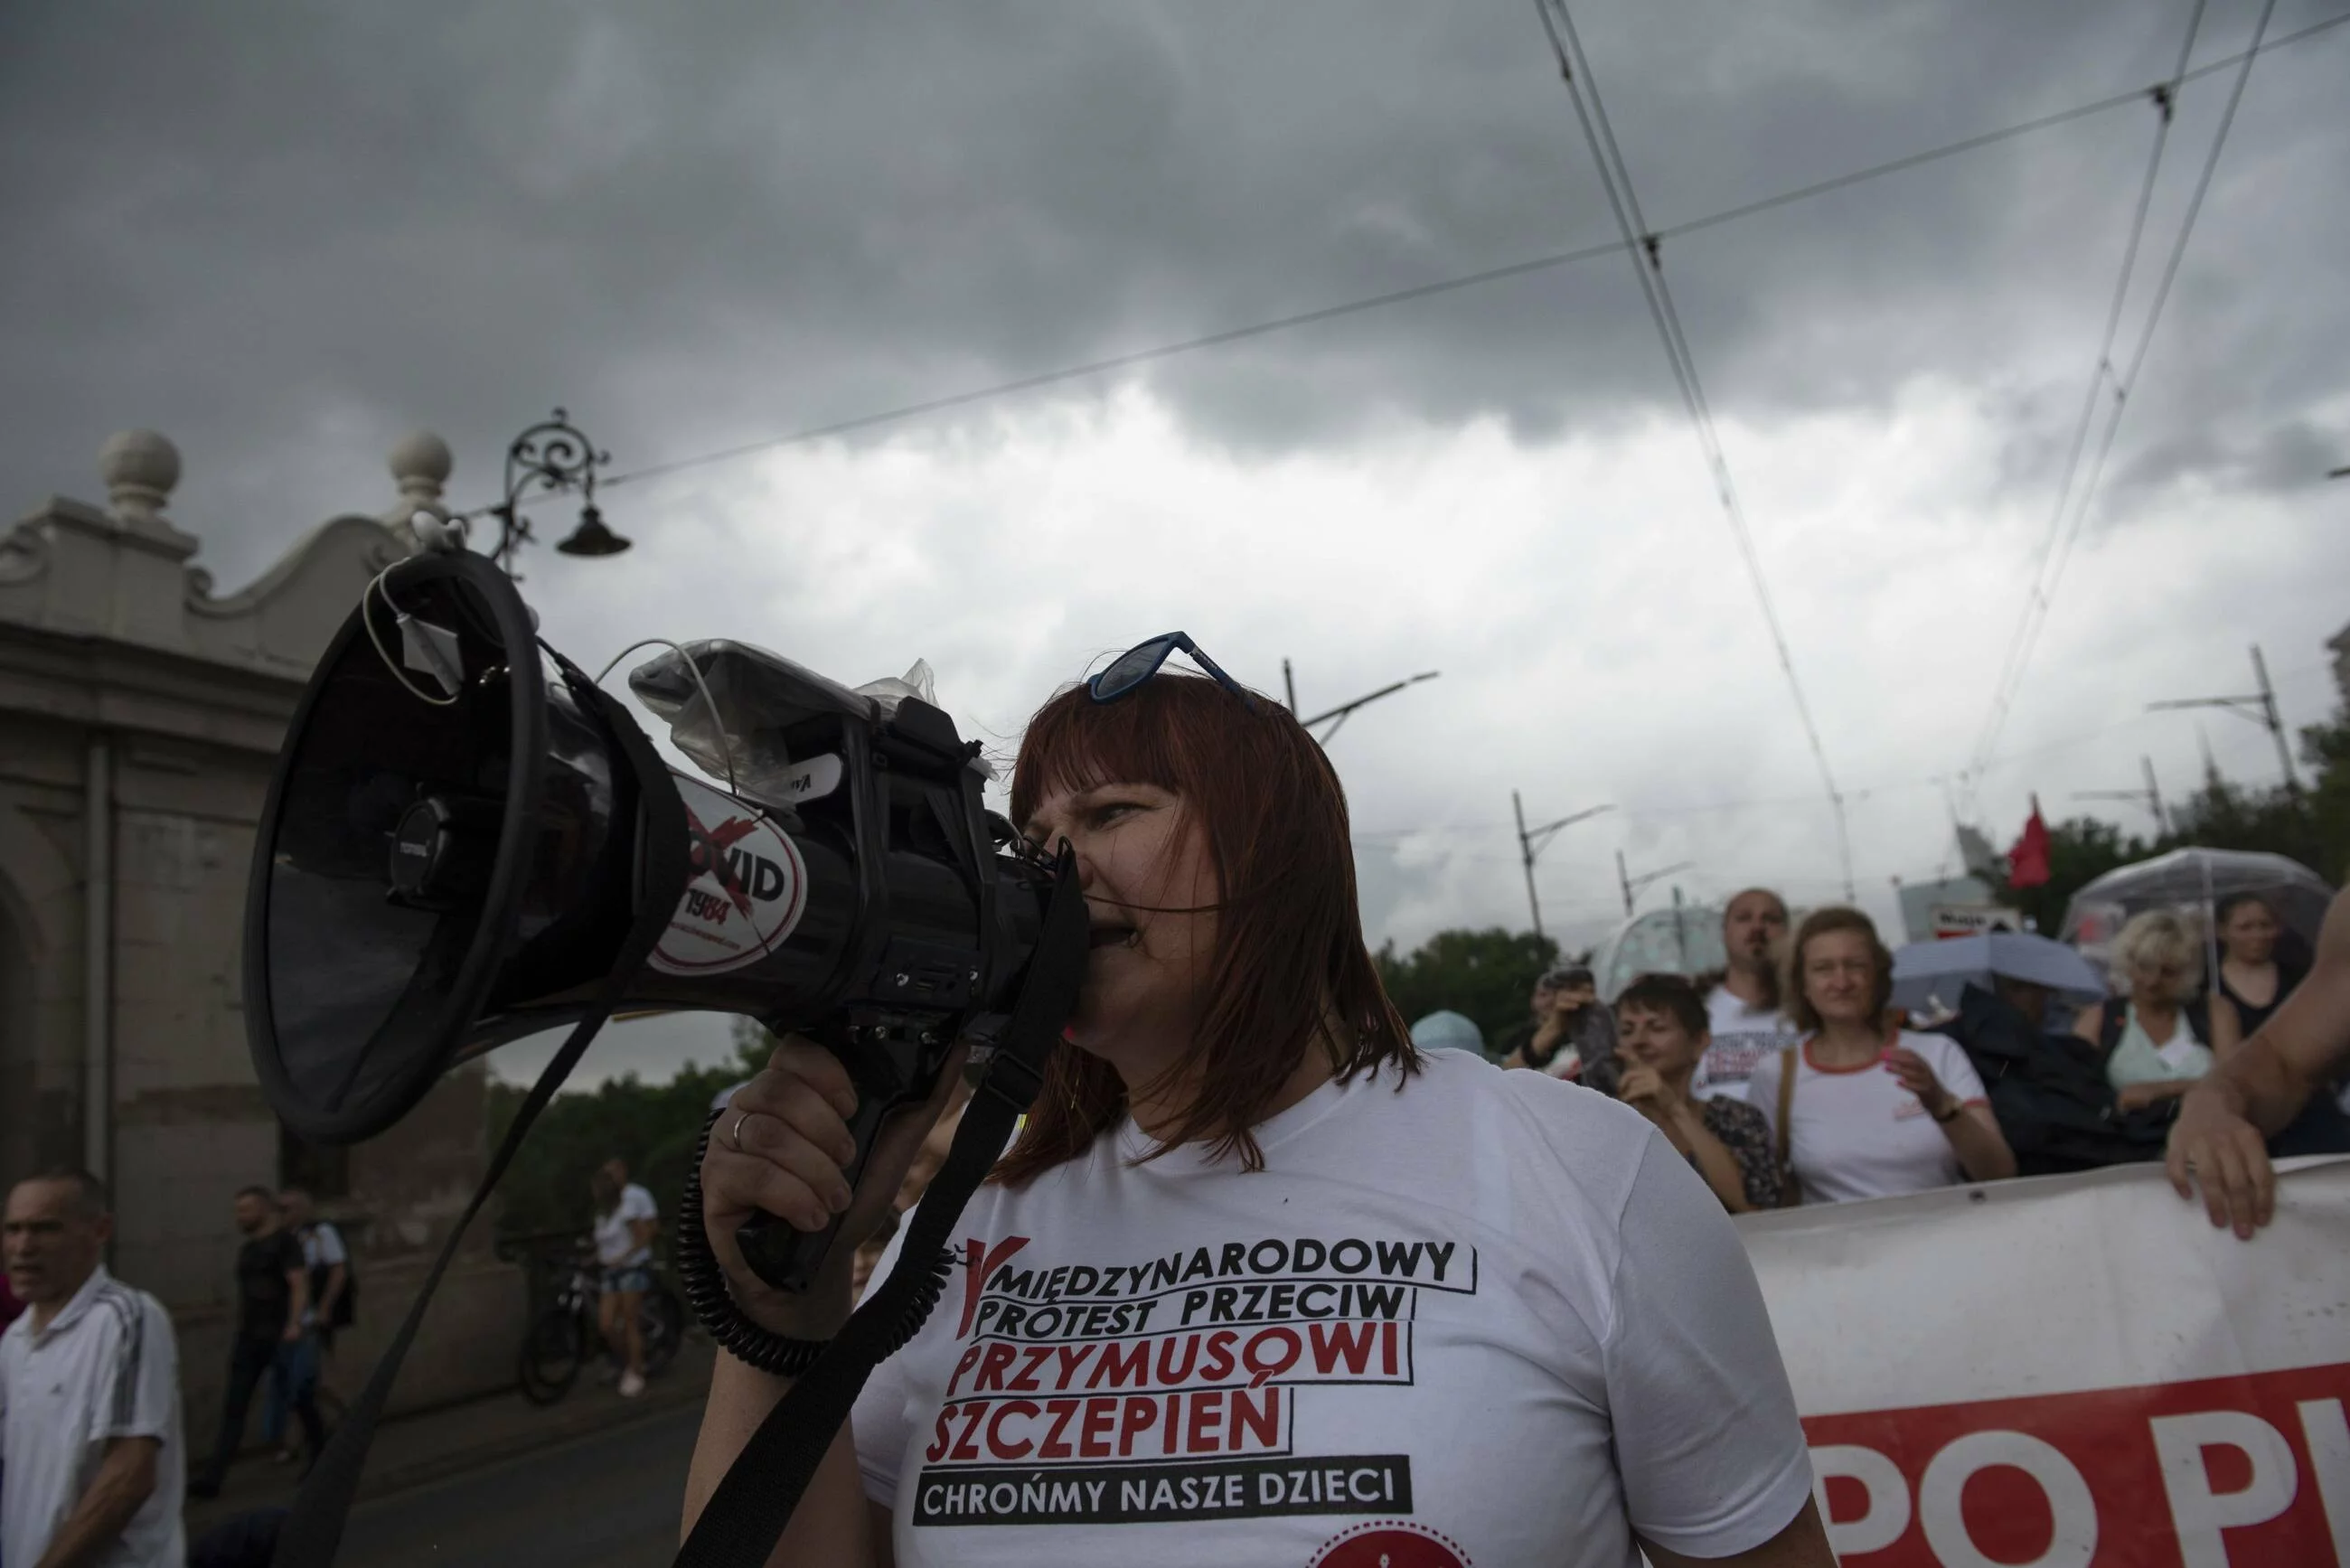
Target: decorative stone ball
x: 139, y: 461
x: 423, y: 456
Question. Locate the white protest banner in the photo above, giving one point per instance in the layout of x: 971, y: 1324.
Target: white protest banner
x: 2071, y: 1372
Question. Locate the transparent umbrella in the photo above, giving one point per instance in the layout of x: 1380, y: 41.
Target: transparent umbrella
x: 2194, y: 881
x: 1683, y: 939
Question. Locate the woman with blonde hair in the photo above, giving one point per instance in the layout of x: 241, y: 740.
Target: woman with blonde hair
x: 2157, y: 1036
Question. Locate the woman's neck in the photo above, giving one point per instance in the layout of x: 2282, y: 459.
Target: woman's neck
x: 1159, y: 1107
x: 2248, y: 966
x: 1842, y: 1043
x: 2162, y: 1008
x: 1676, y: 1084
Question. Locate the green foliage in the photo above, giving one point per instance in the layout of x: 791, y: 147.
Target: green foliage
x: 1487, y: 975
x: 2326, y: 749
x: 652, y: 1125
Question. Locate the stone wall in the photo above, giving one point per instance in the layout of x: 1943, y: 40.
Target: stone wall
x: 130, y: 690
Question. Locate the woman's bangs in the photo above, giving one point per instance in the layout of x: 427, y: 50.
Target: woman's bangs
x: 1078, y: 743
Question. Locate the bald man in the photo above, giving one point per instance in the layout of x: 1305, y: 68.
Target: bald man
x: 89, y: 1394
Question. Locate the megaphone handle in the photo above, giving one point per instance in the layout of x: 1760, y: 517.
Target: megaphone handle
x: 788, y: 1258
x: 890, y: 1075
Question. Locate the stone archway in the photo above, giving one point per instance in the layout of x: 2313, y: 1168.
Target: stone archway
x: 19, y: 1137
x: 40, y: 1087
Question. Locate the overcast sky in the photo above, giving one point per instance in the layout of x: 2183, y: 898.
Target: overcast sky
x: 286, y: 240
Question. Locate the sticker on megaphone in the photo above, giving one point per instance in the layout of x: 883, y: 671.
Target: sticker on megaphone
x: 749, y: 888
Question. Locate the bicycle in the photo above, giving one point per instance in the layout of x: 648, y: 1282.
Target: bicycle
x: 565, y: 1334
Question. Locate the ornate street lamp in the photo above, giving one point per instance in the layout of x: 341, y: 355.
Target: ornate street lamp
x: 554, y: 455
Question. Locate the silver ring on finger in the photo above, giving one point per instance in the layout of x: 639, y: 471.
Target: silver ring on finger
x: 733, y: 1134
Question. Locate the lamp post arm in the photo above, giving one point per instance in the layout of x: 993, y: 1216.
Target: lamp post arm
x: 1344, y: 709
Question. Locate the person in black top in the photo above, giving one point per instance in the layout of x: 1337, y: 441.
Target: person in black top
x: 2253, y: 974
x: 273, y: 1292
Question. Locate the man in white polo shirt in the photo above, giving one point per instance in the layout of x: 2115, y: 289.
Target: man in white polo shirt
x: 89, y: 1395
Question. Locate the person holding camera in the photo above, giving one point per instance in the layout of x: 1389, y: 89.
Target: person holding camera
x: 1256, y: 1280
x: 1570, y: 1035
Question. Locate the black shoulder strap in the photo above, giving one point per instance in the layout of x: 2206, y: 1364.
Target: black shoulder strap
x: 746, y: 1515
x: 2111, y: 1022
x: 314, y: 1529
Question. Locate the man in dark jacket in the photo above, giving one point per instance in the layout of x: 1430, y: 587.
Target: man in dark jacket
x: 2048, y: 1090
x: 272, y: 1292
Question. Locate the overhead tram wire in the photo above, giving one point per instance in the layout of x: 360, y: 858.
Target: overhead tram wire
x: 2165, y: 97
x: 2127, y: 383
x: 1426, y: 290
x: 1648, y: 262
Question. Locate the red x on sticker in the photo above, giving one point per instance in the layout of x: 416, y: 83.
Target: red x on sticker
x: 712, y: 843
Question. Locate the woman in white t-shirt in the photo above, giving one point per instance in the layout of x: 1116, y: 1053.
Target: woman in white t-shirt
x: 1257, y: 1282
x: 1860, y: 1108
x: 626, y: 1220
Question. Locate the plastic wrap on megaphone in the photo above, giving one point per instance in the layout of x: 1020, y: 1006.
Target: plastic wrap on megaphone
x: 757, y: 694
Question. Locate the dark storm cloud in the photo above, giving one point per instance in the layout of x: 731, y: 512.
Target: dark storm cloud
x: 285, y: 236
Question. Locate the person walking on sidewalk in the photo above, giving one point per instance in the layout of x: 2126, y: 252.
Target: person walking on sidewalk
x: 626, y: 1219
x: 328, y: 1268
x: 91, y: 1458
x: 272, y: 1292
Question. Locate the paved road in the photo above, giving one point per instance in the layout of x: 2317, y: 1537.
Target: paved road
x: 606, y: 1500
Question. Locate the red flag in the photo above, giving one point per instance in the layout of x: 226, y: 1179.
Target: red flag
x: 2027, y: 863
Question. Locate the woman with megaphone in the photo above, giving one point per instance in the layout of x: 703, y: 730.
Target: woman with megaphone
x: 1256, y: 1281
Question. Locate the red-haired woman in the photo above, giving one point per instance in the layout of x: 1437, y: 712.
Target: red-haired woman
x: 1861, y: 1108
x: 1257, y: 1282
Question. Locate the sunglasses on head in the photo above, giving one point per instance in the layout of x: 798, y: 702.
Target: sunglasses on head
x: 1139, y: 663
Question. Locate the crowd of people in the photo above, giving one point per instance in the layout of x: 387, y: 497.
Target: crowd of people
x: 1791, y: 1077
x: 1235, y: 1086
x: 1235, y: 1083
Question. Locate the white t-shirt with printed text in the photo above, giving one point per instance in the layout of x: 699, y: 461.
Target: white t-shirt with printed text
x: 107, y: 1367
x: 1489, y: 1318
x: 1742, y: 1036
x: 1858, y: 1133
x: 616, y: 1243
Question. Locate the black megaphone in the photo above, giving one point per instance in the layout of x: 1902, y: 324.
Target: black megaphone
x: 451, y: 856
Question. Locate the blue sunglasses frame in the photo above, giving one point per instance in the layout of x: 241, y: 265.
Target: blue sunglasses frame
x: 1138, y: 664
